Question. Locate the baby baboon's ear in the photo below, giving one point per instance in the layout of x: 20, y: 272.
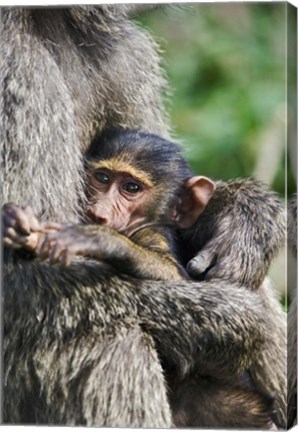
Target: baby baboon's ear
x: 198, y: 191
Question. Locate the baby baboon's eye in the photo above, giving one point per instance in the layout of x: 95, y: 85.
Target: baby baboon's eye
x: 132, y: 187
x: 102, y: 177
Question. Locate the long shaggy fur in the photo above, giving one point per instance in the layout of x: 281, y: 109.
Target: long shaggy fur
x: 86, y: 355
x: 68, y: 74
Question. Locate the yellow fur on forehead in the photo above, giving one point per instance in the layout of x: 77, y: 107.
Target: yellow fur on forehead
x: 124, y: 166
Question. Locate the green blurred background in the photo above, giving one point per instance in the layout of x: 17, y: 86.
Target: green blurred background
x: 226, y: 65
x: 227, y: 69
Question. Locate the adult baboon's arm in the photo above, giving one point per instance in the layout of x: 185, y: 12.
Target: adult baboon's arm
x: 213, y: 327
x: 241, y: 230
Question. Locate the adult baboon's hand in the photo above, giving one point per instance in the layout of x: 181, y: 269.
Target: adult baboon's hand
x: 221, y: 259
x: 239, y: 233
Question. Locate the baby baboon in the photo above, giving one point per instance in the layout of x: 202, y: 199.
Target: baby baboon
x: 132, y: 190
x: 139, y: 185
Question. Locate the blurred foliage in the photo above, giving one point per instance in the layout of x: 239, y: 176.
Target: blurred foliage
x: 227, y: 78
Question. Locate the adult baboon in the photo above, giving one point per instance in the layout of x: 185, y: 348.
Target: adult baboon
x: 66, y: 74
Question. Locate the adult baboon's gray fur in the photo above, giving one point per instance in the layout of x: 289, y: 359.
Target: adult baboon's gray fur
x: 86, y: 355
x: 79, y: 350
x: 66, y: 74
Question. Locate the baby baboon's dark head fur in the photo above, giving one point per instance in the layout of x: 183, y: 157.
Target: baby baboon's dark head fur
x: 160, y: 159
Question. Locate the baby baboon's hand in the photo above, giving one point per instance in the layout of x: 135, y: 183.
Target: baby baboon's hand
x: 61, y: 247
x: 21, y: 229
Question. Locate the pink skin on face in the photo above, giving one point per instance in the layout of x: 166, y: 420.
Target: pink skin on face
x: 116, y: 199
